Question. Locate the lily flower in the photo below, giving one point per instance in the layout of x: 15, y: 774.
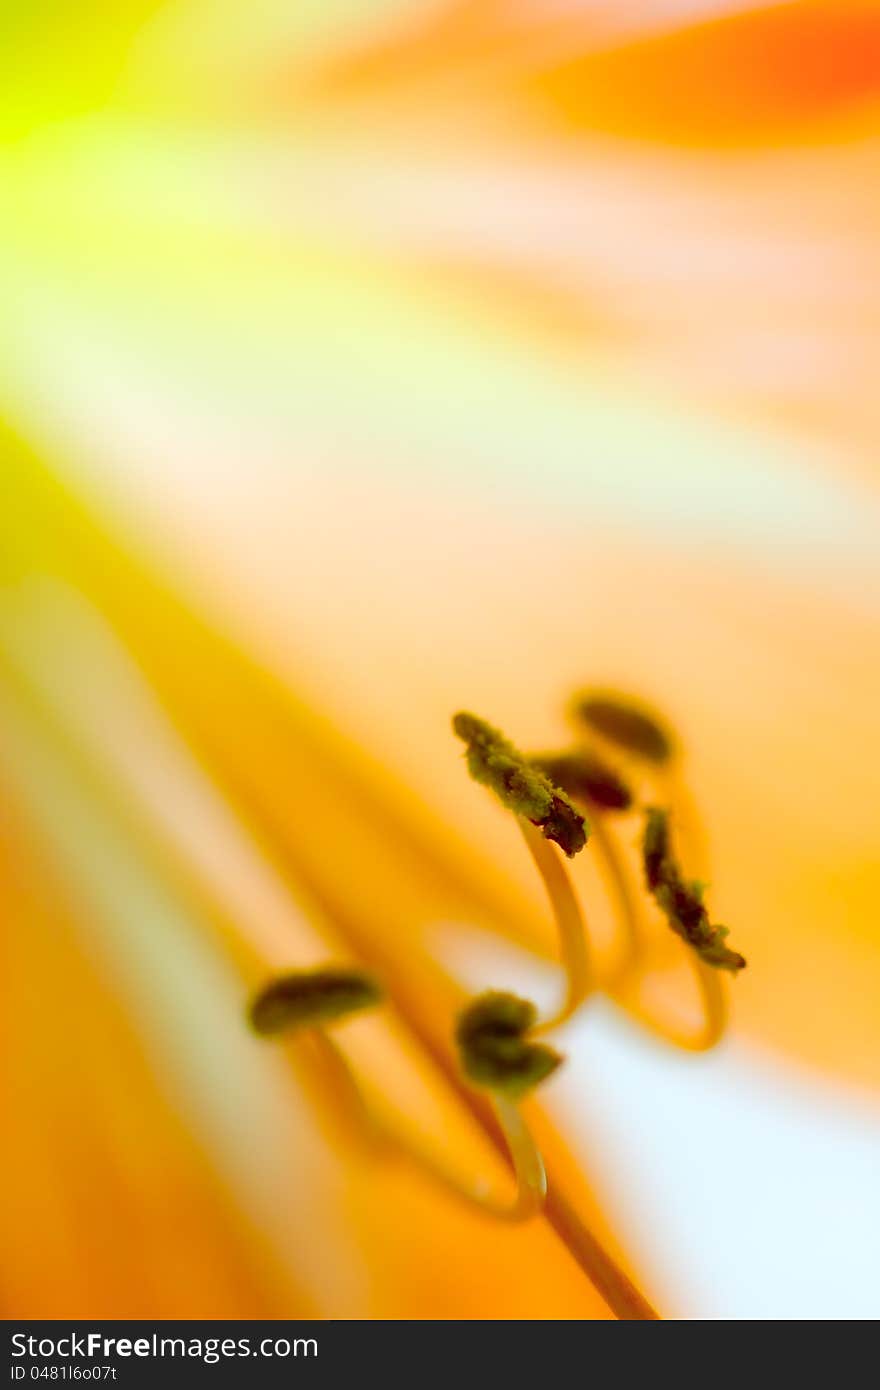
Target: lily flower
x: 463, y: 354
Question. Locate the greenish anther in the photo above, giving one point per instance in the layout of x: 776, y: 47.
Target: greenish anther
x: 680, y: 900
x: 311, y: 999
x: 520, y: 786
x: 620, y: 720
x: 586, y: 777
x: 495, y: 1052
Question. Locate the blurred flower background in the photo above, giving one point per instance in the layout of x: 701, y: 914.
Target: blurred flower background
x: 361, y: 361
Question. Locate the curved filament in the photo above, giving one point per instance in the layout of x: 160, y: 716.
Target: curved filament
x: 614, y: 870
x: 713, y: 998
x: 570, y: 924
x: 387, y: 1142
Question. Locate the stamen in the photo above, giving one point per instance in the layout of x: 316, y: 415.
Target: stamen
x: 388, y: 1143
x: 682, y: 901
x: 311, y: 998
x: 590, y: 781
x: 586, y: 777
x: 496, y: 1054
x: 573, y: 938
x: 496, y: 1034
x: 505, y: 1063
x: 521, y: 787
x: 525, y: 788
x: 626, y: 723
x: 303, y: 1002
x: 682, y: 905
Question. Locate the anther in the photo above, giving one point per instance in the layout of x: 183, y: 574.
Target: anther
x: 311, y: 999
x: 496, y: 1052
x: 586, y: 777
x: 682, y: 901
x: 539, y: 806
x: 519, y: 785
x: 498, y: 1056
x: 622, y: 721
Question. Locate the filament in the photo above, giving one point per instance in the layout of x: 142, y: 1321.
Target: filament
x: 570, y: 924
x: 346, y: 1096
x: 336, y: 1089
x: 713, y: 999
x: 622, y: 981
x: 628, y: 916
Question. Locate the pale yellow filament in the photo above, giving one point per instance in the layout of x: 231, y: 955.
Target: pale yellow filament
x: 713, y: 997
x: 344, y: 1092
x: 621, y: 983
x: 570, y: 924
x: 628, y: 915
